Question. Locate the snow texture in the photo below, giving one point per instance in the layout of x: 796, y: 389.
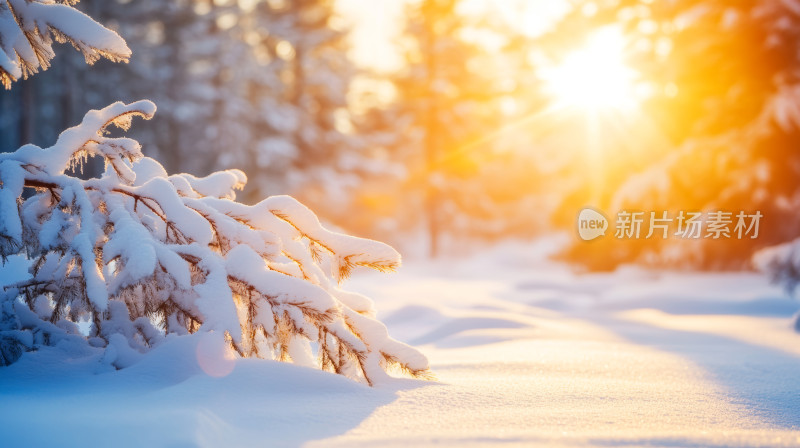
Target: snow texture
x: 528, y: 353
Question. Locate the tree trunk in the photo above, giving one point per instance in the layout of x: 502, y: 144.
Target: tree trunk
x: 432, y: 205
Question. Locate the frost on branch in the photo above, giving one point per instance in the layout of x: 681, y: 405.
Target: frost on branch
x: 28, y: 28
x: 143, y: 255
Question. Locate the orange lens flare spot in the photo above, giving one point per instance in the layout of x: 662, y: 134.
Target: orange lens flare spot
x: 214, y: 356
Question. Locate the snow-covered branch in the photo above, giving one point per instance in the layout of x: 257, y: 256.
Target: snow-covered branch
x: 142, y: 255
x: 29, y: 27
x: 782, y: 264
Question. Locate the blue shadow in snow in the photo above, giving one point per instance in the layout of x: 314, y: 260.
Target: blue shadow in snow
x: 762, y: 379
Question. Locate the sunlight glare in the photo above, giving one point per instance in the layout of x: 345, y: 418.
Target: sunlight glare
x: 596, y: 76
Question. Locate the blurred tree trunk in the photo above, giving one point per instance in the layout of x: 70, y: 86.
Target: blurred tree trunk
x: 27, y: 113
x: 432, y: 204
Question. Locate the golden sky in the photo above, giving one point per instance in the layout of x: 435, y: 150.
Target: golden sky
x: 376, y: 22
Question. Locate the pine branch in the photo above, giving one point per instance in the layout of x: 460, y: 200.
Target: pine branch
x: 175, y: 254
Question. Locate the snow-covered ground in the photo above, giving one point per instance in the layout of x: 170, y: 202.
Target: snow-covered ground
x: 527, y: 352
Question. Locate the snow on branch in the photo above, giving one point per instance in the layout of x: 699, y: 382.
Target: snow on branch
x: 28, y: 28
x: 142, y: 255
x: 782, y: 264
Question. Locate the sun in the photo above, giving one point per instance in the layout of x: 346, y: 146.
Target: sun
x: 594, y: 77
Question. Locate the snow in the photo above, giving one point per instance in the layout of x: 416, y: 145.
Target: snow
x: 358, y: 251
x: 28, y: 28
x: 221, y: 184
x: 527, y: 352
x: 13, y: 183
x: 169, y: 400
x: 143, y: 260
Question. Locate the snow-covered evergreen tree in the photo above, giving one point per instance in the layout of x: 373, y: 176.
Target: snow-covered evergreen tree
x: 143, y: 255
x: 782, y: 264
x: 448, y: 121
x: 266, y: 80
x: 725, y: 77
x: 298, y: 83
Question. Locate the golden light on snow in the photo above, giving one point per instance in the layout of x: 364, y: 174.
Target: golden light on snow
x: 596, y: 76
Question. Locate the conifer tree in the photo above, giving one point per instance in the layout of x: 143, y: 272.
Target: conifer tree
x: 448, y: 119
x: 145, y: 256
x: 725, y: 82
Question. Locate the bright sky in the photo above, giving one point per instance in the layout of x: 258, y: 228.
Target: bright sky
x: 376, y: 22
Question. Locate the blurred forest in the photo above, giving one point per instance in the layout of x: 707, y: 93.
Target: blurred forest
x: 465, y: 143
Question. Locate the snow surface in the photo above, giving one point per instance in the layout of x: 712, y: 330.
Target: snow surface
x: 527, y: 352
